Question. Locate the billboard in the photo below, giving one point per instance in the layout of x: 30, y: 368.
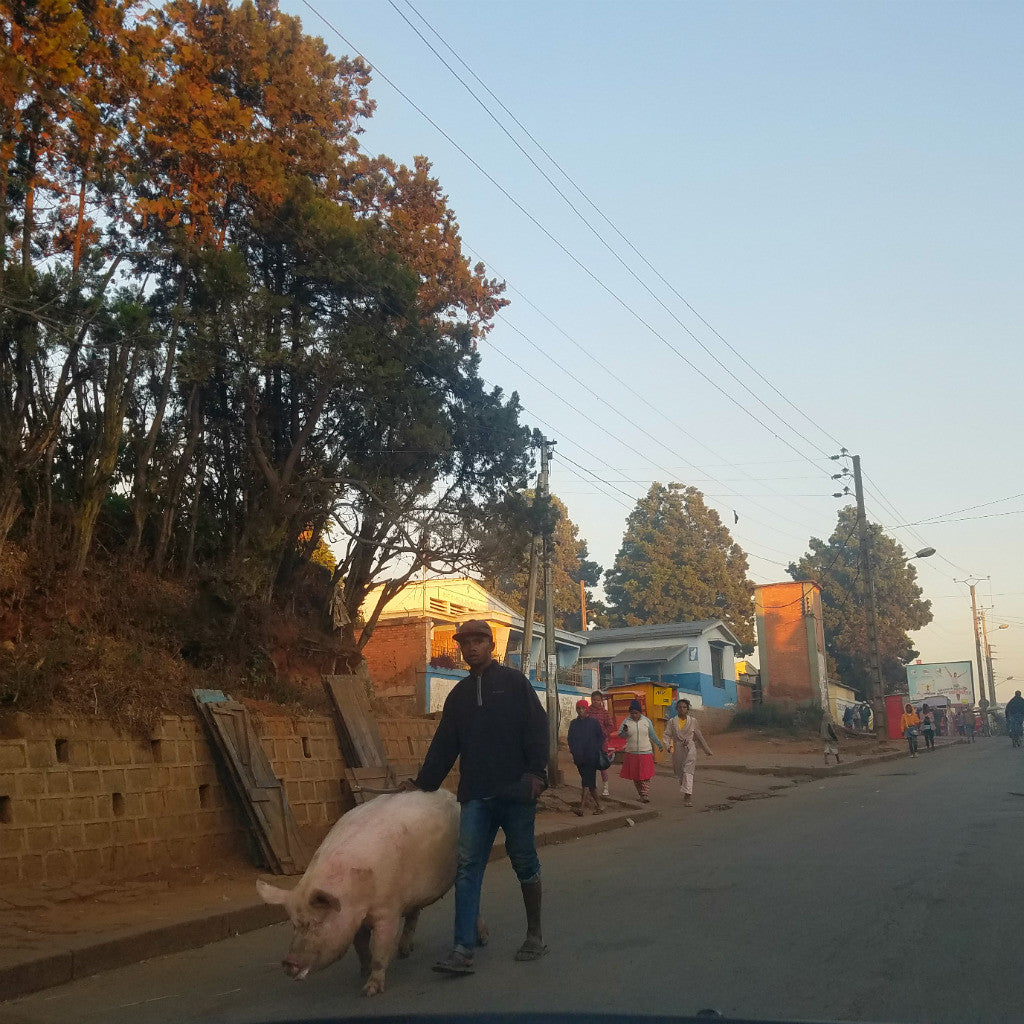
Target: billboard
x: 952, y: 679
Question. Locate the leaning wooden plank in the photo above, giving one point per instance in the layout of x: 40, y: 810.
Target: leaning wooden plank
x: 265, y: 792
x: 223, y: 749
x: 358, y: 736
x: 260, y: 791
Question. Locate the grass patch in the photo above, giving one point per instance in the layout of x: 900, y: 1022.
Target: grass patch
x: 791, y: 719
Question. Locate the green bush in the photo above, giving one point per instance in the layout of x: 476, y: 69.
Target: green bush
x: 779, y: 717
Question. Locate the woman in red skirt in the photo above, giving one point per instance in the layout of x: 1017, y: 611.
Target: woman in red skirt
x: 638, y: 754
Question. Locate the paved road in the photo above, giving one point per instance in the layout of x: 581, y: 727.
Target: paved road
x: 876, y: 896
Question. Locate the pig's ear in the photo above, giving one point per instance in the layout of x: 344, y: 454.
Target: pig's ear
x: 324, y: 902
x: 271, y: 893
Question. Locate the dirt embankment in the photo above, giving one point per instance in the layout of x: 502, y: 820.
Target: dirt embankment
x: 130, y: 646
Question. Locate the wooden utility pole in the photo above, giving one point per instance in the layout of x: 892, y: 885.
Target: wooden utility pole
x: 550, y: 655
x: 531, y: 602
x: 872, y: 609
x: 583, y: 606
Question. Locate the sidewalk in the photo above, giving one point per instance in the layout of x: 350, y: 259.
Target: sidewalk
x: 56, y: 935
x: 792, y: 757
x: 52, y: 936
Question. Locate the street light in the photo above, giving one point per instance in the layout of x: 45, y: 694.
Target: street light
x: 923, y: 553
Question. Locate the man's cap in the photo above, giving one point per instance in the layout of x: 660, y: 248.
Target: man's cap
x: 474, y: 627
x: 635, y: 705
x: 581, y: 703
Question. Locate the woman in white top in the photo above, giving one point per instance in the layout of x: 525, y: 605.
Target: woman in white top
x: 638, y: 754
x: 682, y: 734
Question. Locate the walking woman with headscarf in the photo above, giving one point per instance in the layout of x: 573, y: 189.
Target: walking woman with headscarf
x: 638, y: 754
x: 682, y: 734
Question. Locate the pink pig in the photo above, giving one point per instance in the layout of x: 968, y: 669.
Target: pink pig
x: 379, y: 865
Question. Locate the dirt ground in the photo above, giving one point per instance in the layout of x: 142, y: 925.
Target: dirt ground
x: 764, y: 748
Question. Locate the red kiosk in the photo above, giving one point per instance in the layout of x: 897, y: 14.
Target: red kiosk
x: 895, y: 703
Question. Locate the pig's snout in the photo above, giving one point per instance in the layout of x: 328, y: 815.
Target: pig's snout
x: 293, y: 968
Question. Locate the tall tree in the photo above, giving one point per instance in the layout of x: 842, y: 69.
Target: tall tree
x: 506, y: 565
x: 216, y: 310
x: 835, y: 566
x: 679, y: 563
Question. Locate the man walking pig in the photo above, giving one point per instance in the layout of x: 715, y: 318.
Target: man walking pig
x: 494, y: 724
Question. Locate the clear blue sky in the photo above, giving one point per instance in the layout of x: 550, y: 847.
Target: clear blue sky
x: 835, y: 188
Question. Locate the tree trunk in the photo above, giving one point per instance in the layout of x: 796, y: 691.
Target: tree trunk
x: 176, y: 482
x: 121, y: 372
x: 190, y: 554
x: 140, y: 508
x: 85, y: 523
x: 10, y: 508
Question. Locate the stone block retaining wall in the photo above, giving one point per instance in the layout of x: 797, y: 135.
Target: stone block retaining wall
x: 81, y: 800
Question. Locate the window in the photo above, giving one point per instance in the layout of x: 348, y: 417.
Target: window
x: 716, y: 667
x: 644, y: 672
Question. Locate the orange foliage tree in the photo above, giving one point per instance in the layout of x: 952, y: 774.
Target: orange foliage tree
x: 215, y: 307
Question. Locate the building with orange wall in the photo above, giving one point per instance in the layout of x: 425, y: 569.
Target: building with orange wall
x: 413, y: 655
x: 791, y: 642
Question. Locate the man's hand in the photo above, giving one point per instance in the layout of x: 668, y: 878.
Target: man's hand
x: 408, y: 786
x: 536, y: 785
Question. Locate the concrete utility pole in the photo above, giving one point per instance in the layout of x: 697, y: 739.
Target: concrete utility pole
x: 977, y: 645
x: 869, y: 584
x: 550, y: 656
x: 988, y: 661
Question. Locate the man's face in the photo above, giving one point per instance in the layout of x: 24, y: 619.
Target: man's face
x: 477, y: 650
x: 582, y: 712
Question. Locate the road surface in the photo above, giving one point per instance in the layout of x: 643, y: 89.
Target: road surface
x: 888, y: 894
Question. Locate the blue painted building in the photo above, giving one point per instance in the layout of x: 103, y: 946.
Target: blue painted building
x: 696, y: 658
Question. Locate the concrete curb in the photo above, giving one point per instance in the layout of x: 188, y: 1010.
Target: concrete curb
x: 130, y: 947
x: 80, y: 961
x: 818, y: 771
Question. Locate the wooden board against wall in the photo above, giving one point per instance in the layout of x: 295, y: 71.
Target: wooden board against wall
x: 358, y: 735
x: 260, y: 792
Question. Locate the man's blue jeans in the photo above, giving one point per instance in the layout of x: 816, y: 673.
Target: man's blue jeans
x: 478, y: 826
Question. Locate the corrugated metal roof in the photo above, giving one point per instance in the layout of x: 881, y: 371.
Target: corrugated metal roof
x: 665, y: 652
x: 661, y: 631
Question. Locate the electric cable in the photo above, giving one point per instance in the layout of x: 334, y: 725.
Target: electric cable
x: 618, y: 379
x: 618, y: 412
x: 592, y: 229
x: 564, y: 248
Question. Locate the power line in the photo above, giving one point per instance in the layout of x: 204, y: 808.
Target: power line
x: 614, y: 409
x: 565, y: 249
x: 933, y: 520
x: 971, y: 519
x: 619, y: 440
x: 626, y: 494
x: 590, y: 226
x: 614, y: 227
x: 620, y: 381
x: 914, y: 533
x: 602, y: 214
